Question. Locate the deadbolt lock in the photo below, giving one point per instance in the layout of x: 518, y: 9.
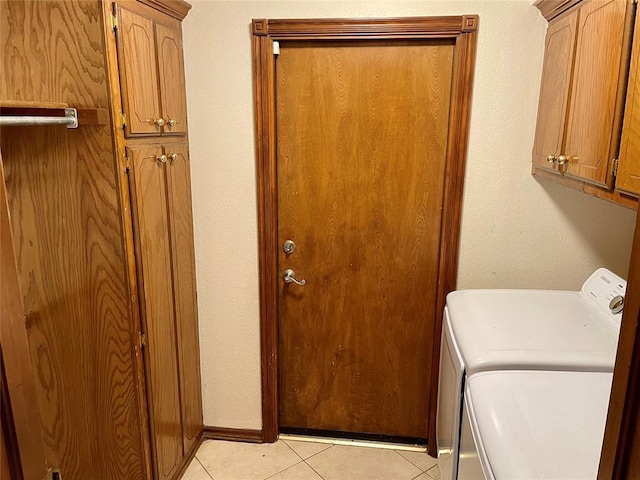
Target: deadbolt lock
x: 288, y: 247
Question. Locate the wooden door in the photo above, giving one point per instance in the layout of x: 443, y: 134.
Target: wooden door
x: 592, y: 115
x: 559, y: 52
x: 172, y: 85
x: 184, y: 280
x: 629, y: 167
x: 138, y: 72
x: 151, y: 223
x: 361, y: 140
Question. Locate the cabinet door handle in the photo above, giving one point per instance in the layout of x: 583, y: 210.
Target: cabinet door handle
x: 159, y: 122
x: 172, y: 158
x: 563, y: 161
x: 161, y: 159
x: 171, y: 122
x: 551, y: 159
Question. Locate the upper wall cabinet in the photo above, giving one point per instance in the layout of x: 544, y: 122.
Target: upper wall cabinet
x: 152, y: 74
x: 582, y: 95
x: 629, y: 171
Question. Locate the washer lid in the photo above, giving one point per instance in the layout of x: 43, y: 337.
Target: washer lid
x: 530, y: 424
x: 522, y: 329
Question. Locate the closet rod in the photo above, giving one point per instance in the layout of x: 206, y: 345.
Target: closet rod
x: 70, y: 119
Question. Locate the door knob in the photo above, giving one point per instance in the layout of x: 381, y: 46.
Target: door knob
x: 161, y: 159
x: 159, y: 122
x: 172, y: 158
x: 289, y: 276
x: 171, y: 122
x: 551, y: 159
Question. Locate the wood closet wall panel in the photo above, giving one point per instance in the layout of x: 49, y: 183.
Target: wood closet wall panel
x: 52, y: 63
x: 69, y: 250
x: 172, y: 84
x: 184, y: 280
x: 151, y: 222
x: 61, y: 186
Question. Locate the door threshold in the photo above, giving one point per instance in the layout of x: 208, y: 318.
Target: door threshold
x: 353, y: 443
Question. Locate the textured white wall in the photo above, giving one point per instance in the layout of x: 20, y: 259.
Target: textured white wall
x: 517, y: 231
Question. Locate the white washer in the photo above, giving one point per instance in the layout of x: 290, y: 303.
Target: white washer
x: 487, y: 330
x: 533, y: 425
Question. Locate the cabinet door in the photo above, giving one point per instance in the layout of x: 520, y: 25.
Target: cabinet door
x: 179, y: 183
x: 592, y: 114
x: 138, y: 73
x: 629, y: 167
x: 172, y: 86
x: 554, y: 91
x: 153, y: 251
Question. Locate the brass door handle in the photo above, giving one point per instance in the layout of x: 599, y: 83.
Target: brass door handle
x: 289, y: 276
x: 551, y: 159
x: 171, y: 122
x: 161, y: 159
x: 159, y: 122
x: 172, y: 158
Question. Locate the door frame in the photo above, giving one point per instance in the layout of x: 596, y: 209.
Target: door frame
x: 463, y: 31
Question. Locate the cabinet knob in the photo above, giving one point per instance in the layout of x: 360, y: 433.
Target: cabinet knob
x: 159, y: 122
x: 171, y: 122
x: 172, y: 158
x: 161, y: 159
x: 563, y: 161
x: 551, y: 159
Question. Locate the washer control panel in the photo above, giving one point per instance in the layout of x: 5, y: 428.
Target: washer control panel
x: 606, y: 290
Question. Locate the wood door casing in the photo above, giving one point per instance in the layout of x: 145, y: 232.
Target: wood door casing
x: 184, y: 281
x: 149, y: 198
x: 171, y: 75
x: 628, y: 179
x: 560, y: 46
x: 138, y: 72
x: 362, y: 141
x: 592, y: 114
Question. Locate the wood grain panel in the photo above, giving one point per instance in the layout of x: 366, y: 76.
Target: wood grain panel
x: 138, y: 72
x: 592, y: 116
x: 172, y: 85
x: 362, y: 142
x: 629, y: 167
x: 184, y: 287
x: 149, y: 197
x: 61, y: 186
x: 22, y: 446
x: 560, y: 46
x: 620, y: 457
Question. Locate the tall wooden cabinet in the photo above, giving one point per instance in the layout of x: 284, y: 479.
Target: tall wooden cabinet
x: 147, y: 44
x: 102, y: 231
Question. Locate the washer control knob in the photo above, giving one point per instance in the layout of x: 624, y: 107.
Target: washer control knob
x: 617, y: 304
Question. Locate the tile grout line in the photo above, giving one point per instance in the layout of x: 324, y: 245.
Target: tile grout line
x: 289, y: 446
x: 203, y: 467
x: 318, y: 453
x: 290, y: 466
x: 405, y: 458
x: 314, y: 468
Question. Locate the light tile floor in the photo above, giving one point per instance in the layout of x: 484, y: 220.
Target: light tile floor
x: 296, y: 460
